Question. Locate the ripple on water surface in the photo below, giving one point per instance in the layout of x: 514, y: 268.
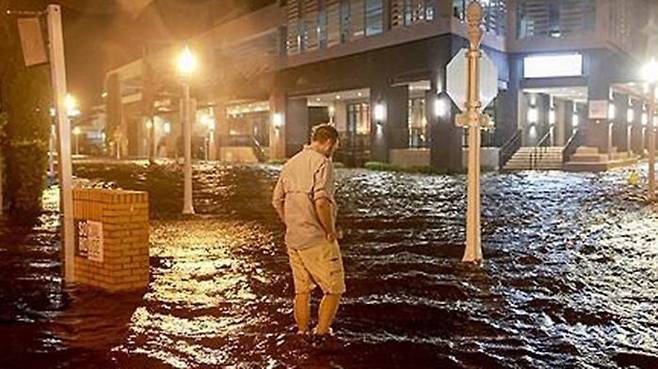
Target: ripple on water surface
x: 570, y: 278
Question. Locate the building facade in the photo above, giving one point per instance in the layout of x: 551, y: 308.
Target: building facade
x: 376, y: 69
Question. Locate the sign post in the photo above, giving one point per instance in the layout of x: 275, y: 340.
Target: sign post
x: 479, y: 73
x: 58, y: 77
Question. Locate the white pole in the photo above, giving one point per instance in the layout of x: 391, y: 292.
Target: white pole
x: 188, y: 207
x: 58, y: 77
x: 652, y: 143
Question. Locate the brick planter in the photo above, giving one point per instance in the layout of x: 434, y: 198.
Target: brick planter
x: 112, y: 239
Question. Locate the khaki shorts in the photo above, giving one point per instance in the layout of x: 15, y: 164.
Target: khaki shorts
x: 320, y: 265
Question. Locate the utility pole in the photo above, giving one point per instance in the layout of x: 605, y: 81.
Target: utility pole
x: 58, y: 78
x: 188, y: 207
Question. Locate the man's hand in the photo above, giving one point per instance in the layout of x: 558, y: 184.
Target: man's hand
x: 339, y: 233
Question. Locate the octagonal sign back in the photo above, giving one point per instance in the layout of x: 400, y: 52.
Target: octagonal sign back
x: 456, y: 74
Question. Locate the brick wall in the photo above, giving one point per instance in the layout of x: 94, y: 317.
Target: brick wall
x: 125, y: 219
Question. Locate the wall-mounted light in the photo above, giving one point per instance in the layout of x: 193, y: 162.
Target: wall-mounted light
x: 645, y: 119
x: 167, y: 127
x: 611, y: 111
x: 630, y: 115
x: 533, y: 115
x: 332, y: 111
x: 440, y: 107
x: 277, y: 120
x: 379, y: 113
x: 149, y: 125
x: 574, y: 120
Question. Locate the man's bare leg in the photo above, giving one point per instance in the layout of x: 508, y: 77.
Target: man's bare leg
x: 302, y: 309
x: 327, y: 313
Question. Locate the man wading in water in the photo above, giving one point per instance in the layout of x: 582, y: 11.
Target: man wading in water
x: 304, y: 199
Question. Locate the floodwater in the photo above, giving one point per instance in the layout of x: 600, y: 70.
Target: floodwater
x: 570, y: 278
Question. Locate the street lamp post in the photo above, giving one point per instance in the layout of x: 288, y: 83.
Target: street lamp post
x: 187, y: 65
x: 650, y: 75
x: 475, y: 121
x: 76, y: 133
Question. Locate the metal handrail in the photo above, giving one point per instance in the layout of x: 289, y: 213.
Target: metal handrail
x: 509, y: 148
x: 258, y: 150
x: 539, y: 150
x: 572, y: 145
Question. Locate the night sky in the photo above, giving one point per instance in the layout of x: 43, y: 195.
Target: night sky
x: 104, y: 34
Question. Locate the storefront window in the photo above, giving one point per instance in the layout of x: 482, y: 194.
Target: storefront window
x: 358, y: 118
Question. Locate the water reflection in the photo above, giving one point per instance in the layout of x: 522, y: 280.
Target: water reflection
x: 570, y: 276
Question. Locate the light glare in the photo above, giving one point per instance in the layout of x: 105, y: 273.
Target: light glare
x: 187, y: 62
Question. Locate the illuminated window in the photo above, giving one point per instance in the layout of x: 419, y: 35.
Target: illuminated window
x: 545, y: 66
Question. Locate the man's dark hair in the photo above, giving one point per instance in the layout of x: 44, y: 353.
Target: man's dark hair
x: 324, y: 132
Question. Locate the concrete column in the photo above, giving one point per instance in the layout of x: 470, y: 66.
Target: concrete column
x: 567, y: 117
x: 221, y: 127
x: 297, y: 125
x: 598, y: 132
x: 620, y: 131
x: 393, y: 131
x: 560, y: 130
x: 278, y: 115
x: 513, y: 112
x: 636, y: 128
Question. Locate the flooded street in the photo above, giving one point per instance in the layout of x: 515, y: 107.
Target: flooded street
x: 570, y: 277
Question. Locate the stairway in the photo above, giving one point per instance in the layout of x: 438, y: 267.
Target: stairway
x: 551, y: 159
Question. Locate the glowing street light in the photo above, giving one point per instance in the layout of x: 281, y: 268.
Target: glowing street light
x: 71, y: 104
x: 187, y: 62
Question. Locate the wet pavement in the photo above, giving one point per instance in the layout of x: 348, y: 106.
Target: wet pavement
x: 570, y: 278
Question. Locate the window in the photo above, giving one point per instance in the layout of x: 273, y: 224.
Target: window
x: 374, y: 20
x: 322, y: 29
x: 358, y: 119
x: 313, y: 24
x: 344, y: 21
x: 555, y: 18
x: 409, y: 12
x: 333, y: 12
x: 418, y: 129
x: 310, y: 30
x: 357, y: 18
